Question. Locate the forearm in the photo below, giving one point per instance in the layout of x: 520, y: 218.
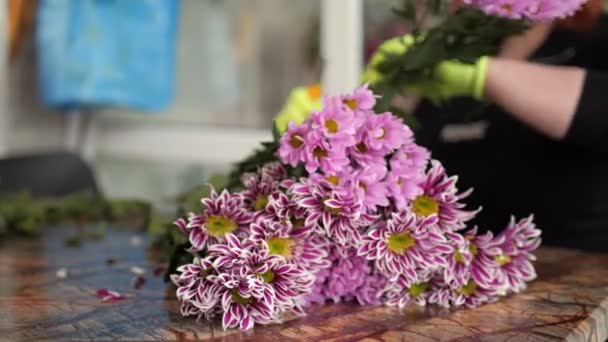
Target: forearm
x: 544, y: 97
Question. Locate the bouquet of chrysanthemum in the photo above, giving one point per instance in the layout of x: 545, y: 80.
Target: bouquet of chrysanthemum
x: 351, y: 209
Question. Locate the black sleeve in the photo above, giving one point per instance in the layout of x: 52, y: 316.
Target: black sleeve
x: 590, y: 123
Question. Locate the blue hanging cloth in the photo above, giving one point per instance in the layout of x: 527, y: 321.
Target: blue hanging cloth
x: 107, y: 53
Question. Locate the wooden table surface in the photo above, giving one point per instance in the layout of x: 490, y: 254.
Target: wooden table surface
x: 568, y: 301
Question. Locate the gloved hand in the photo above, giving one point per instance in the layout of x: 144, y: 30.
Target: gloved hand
x: 301, y: 102
x: 450, y: 78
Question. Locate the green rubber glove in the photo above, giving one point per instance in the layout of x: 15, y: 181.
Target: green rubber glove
x: 394, y: 46
x: 455, y: 79
x: 450, y: 78
x: 300, y: 103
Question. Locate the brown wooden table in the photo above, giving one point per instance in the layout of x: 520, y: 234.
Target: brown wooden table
x: 568, y: 301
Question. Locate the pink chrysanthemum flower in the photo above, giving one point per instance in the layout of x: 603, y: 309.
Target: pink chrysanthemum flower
x: 222, y: 214
x: 292, y: 146
x: 533, y: 10
x: 440, y: 197
x: 405, y: 244
x: 296, y: 244
x: 370, y: 188
x: 404, y: 187
x: 362, y: 99
x: 385, y: 132
x: 411, y: 158
x: 320, y: 155
x: 337, y: 123
x: 515, y: 267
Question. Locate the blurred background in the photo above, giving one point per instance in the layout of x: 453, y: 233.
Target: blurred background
x: 156, y: 95
x: 226, y: 67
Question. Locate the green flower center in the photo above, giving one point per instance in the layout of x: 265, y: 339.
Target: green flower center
x: 331, y: 125
x: 502, y: 259
x: 237, y: 298
x: 319, y: 153
x: 425, y: 206
x: 469, y: 288
x: 352, y: 103
x: 460, y: 258
x: 400, y: 243
x: 281, y: 246
x: 218, y: 226
x: 260, y: 202
x: 335, y: 211
x: 296, y: 141
x: 418, y: 289
x: 267, y: 276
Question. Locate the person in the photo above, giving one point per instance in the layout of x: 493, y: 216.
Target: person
x: 543, y: 150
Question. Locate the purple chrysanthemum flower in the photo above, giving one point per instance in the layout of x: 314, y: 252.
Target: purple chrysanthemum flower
x: 361, y: 100
x: 402, y: 292
x: 296, y: 244
x: 515, y: 267
x: 533, y: 10
x: 370, y: 188
x: 338, y: 217
x: 321, y: 155
x: 385, y: 132
x: 349, y: 277
x: 411, y: 158
x: 222, y: 214
x: 405, y: 244
x: 292, y: 146
x: 404, y: 187
x: 197, y: 291
x: 440, y: 197
x: 472, y: 259
x: 255, y: 286
x: 337, y: 123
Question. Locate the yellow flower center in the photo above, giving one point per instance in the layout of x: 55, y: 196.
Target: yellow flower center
x: 352, y: 103
x: 314, y: 91
x: 267, y: 276
x: 296, y: 141
x: 237, y: 298
x: 361, y: 148
x: 502, y: 259
x: 425, y: 206
x: 418, y: 289
x: 469, y: 288
x: 218, y: 226
x: 382, y: 135
x: 260, y: 202
x: 281, y: 246
x: 333, y: 180
x: 507, y: 8
x: 331, y: 125
x: 319, y: 153
x: 400, y: 243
